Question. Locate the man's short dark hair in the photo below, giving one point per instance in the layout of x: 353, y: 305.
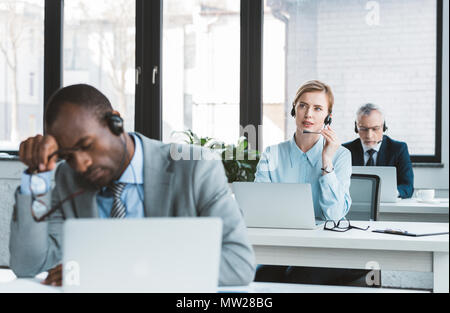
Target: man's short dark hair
x: 81, y: 95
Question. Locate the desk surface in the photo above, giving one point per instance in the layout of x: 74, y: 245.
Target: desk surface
x: 9, y: 283
x: 359, y: 249
x: 357, y: 239
x: 415, y: 206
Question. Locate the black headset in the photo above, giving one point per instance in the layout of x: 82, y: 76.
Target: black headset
x: 385, y: 128
x: 293, y: 110
x: 115, y: 123
x: 327, y: 121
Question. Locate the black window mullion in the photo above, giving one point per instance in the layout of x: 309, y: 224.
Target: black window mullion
x: 437, y: 157
x: 148, y: 112
x: 53, y: 47
x: 251, y: 67
x: 439, y: 80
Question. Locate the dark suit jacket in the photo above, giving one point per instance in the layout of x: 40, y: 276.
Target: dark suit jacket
x: 392, y: 153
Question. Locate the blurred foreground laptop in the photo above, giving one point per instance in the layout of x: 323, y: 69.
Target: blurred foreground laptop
x: 142, y: 255
x: 388, y: 180
x: 270, y: 205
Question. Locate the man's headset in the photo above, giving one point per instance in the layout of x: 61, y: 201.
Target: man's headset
x: 327, y: 121
x: 115, y: 124
x: 385, y: 128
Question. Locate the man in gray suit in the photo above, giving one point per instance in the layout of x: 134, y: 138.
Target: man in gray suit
x: 109, y: 173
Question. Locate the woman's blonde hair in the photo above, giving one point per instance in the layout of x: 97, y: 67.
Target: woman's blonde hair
x: 314, y: 86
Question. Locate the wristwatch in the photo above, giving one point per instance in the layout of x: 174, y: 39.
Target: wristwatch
x: 329, y: 169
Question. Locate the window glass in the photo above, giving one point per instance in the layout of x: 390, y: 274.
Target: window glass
x: 99, y: 50
x: 381, y: 52
x: 21, y: 71
x: 201, y: 68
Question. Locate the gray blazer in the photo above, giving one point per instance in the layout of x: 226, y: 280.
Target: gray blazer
x: 172, y: 188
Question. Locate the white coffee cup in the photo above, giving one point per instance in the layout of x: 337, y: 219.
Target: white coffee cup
x: 426, y: 194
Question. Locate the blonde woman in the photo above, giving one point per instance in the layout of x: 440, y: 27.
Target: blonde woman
x: 314, y: 155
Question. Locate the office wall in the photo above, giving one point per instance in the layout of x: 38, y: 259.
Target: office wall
x: 10, y: 172
x: 438, y: 178
x: 391, y: 64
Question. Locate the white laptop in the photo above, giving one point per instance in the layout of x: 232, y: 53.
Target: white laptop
x: 270, y: 205
x: 388, y: 180
x: 142, y: 255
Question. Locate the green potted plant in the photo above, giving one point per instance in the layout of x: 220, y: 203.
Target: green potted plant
x: 238, y: 160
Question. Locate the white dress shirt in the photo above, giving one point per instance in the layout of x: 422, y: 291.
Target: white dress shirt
x: 366, y: 155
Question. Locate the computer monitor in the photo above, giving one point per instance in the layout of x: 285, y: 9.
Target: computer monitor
x: 388, y: 180
x: 273, y: 205
x: 142, y: 255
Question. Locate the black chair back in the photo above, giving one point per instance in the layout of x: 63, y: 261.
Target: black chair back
x: 365, y: 194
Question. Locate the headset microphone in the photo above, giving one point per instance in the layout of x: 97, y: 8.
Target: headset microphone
x: 115, y: 124
x: 141, y: 197
x: 327, y: 122
x: 310, y: 132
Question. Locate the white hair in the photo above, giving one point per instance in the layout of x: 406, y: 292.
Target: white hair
x: 366, y: 109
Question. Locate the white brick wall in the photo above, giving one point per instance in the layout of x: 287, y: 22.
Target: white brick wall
x: 392, y: 65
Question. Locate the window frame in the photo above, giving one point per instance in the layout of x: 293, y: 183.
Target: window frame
x: 434, y: 160
x: 437, y: 157
x: 148, y: 93
x: 149, y: 68
x: 251, y: 83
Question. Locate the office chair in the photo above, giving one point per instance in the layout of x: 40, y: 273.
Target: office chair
x: 365, y: 194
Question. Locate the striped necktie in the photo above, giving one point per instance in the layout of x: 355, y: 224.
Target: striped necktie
x: 118, y: 208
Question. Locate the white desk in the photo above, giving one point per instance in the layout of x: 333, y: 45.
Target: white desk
x: 9, y: 283
x: 301, y: 288
x: 358, y: 249
x: 411, y: 210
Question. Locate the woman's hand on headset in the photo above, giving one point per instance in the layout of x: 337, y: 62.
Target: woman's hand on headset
x: 332, y: 144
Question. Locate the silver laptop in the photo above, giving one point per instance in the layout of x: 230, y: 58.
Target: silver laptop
x: 388, y: 180
x: 270, y: 205
x: 142, y: 255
